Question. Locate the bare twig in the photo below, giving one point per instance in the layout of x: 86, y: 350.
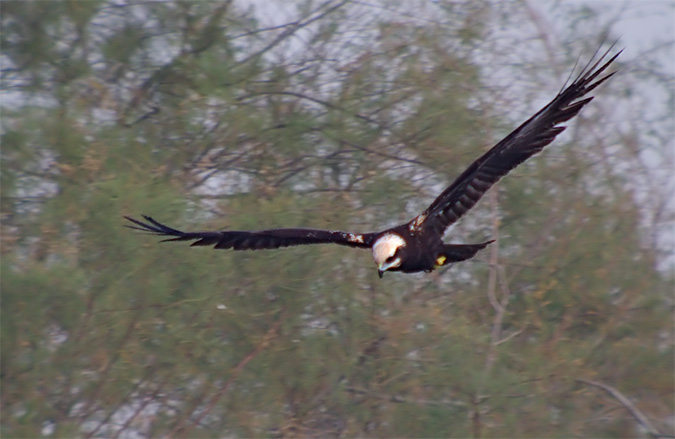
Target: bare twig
x: 402, y: 400
x: 497, y: 278
x: 494, y: 255
x: 321, y: 102
x: 146, y: 401
x: 634, y: 411
x: 294, y: 27
x: 264, y: 343
x: 544, y: 31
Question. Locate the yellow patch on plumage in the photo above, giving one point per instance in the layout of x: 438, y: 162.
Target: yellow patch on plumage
x: 440, y: 261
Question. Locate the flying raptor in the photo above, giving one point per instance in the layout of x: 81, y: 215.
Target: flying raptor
x: 418, y: 245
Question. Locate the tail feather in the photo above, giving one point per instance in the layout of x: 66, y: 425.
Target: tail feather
x: 460, y: 252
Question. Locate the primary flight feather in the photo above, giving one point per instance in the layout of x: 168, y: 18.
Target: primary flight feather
x: 418, y: 245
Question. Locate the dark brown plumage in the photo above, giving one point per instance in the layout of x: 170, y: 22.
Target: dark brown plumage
x: 417, y: 245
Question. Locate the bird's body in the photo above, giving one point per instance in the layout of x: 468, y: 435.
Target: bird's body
x: 410, y: 250
x: 418, y: 245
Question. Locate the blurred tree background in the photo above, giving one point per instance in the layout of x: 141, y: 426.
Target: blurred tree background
x: 350, y: 116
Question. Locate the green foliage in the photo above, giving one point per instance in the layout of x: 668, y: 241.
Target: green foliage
x: 198, y: 115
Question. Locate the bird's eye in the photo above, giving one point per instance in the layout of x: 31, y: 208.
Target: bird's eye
x: 391, y: 258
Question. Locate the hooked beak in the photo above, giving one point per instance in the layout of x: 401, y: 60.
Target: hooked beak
x: 384, y: 266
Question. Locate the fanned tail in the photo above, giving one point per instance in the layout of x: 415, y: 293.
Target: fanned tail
x: 459, y: 252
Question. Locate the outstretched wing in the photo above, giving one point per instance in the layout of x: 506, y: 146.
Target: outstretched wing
x: 254, y: 240
x: 525, y: 141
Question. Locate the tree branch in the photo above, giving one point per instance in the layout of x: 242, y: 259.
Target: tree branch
x: 634, y: 411
x: 264, y: 343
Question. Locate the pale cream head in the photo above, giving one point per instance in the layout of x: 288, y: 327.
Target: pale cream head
x: 384, y: 248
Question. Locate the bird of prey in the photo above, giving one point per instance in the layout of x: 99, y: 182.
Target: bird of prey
x: 418, y: 245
